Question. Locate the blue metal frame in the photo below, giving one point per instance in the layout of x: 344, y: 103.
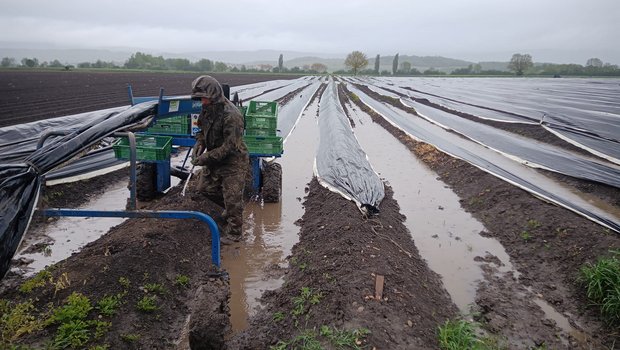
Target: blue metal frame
x: 188, y: 106
x: 165, y: 214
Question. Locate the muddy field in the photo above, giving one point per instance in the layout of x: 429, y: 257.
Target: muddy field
x: 351, y: 281
x: 27, y: 96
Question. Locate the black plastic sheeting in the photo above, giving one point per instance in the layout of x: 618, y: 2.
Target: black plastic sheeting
x: 341, y: 165
x: 570, y: 107
x: 590, y: 131
x: 20, y: 182
x: 19, y: 141
x: 596, y: 143
x: 526, y: 151
x: 409, y: 125
x: 93, y: 162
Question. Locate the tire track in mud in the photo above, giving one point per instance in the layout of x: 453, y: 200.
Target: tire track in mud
x: 559, y: 243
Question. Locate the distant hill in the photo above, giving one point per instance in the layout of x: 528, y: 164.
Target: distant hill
x: 333, y: 64
x: 503, y: 66
x: 421, y: 63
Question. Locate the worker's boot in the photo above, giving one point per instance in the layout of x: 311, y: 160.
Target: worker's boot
x: 232, y: 232
x: 229, y: 236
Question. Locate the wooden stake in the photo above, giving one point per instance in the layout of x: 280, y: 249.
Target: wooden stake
x: 379, y: 279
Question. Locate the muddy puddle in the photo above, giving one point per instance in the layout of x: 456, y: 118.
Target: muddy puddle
x: 270, y: 232
x: 448, y: 237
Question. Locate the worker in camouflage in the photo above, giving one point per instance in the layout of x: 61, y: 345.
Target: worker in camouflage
x: 221, y: 152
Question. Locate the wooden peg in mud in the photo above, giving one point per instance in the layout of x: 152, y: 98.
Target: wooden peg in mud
x: 379, y: 287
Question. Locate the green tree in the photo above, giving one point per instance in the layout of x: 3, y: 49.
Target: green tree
x: 8, y: 62
x: 141, y: 60
x: 395, y: 65
x: 520, y: 63
x: 30, y: 62
x: 221, y: 67
x: 377, y: 60
x: 204, y: 65
x: 280, y: 63
x: 594, y: 62
x: 178, y: 64
x: 56, y: 63
x: 356, y: 60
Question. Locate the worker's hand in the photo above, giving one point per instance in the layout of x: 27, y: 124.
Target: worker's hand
x: 199, y: 147
x: 200, y: 161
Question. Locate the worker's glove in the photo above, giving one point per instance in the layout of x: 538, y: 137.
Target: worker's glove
x: 201, y: 160
x: 199, y: 147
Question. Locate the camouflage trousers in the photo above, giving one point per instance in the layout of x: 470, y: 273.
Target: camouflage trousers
x: 226, y: 190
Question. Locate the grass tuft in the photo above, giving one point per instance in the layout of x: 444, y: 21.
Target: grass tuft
x: 38, y: 281
x: 147, y: 304
x: 602, y: 283
x: 76, y: 307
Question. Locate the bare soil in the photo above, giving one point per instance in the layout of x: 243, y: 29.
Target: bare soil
x: 27, y: 96
x: 340, y: 257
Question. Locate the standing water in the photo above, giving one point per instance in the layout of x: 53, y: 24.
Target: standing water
x: 270, y: 230
x: 448, y: 237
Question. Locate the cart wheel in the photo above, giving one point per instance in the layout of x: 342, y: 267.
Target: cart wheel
x: 146, y: 186
x: 272, y: 182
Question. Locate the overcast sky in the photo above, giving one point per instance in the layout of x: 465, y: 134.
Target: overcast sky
x: 561, y: 31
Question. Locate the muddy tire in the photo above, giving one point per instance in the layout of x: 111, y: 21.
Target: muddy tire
x: 272, y: 182
x: 248, y: 188
x: 146, y: 179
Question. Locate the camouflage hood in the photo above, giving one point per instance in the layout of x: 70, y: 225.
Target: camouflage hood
x: 206, y: 86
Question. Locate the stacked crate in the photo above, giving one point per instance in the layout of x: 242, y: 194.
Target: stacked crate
x: 175, y: 125
x: 261, y: 123
x: 148, y: 148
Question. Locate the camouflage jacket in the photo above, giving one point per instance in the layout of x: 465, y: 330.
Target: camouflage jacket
x: 221, y: 131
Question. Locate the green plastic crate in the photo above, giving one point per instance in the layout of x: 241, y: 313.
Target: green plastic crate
x: 263, y: 144
x: 148, y: 147
x: 171, y: 125
x: 261, y: 122
x: 175, y: 119
x: 168, y: 128
x: 260, y: 132
x: 262, y: 108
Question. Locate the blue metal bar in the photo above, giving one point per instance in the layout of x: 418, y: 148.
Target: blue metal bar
x: 255, y: 163
x: 164, y: 214
x: 133, y: 176
x: 163, y: 175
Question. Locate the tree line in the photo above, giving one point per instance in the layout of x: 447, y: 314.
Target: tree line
x: 520, y: 64
x: 144, y: 61
x: 356, y: 62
